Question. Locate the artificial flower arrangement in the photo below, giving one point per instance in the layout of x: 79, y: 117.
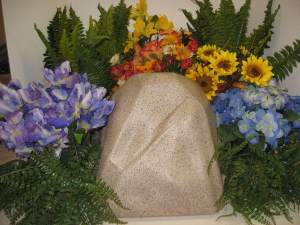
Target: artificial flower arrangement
x: 50, y: 126
x: 258, y: 122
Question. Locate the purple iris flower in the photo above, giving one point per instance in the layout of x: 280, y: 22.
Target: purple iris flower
x: 14, y: 84
x: 57, y: 76
x: 41, y: 115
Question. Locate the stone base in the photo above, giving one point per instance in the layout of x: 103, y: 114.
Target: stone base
x: 157, y: 145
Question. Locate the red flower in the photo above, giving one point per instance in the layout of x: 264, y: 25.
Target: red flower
x: 186, y: 63
x: 193, y: 45
x: 158, y: 66
x: 128, y: 74
x: 117, y: 72
x: 127, y: 66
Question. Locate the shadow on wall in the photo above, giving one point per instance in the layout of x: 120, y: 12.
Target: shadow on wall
x: 4, y: 64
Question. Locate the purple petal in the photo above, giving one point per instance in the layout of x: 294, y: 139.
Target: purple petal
x: 14, y: 84
x: 86, y: 101
x: 60, y: 94
x: 6, y: 106
x: 34, y: 134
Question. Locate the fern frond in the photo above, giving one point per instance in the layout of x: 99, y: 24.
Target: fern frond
x: 106, y: 27
x: 284, y: 61
x: 53, y: 31
x: 94, y: 62
x: 224, y: 26
x: 64, y: 21
x: 241, y: 25
x: 54, y: 58
x: 74, y: 21
x: 121, y: 21
x: 202, y: 26
x: 258, y: 35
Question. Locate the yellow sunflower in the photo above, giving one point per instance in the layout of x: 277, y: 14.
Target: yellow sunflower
x: 257, y: 70
x: 181, y: 52
x: 207, y: 51
x: 206, y: 79
x: 225, y: 63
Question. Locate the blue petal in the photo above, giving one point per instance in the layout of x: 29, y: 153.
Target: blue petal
x: 255, y: 140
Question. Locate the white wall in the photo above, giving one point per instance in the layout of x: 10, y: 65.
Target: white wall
x: 23, y: 43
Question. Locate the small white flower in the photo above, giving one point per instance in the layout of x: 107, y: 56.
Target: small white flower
x: 168, y: 49
x: 115, y: 59
x: 121, y: 81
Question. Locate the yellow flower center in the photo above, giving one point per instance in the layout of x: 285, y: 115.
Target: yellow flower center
x: 225, y: 64
x: 182, y: 52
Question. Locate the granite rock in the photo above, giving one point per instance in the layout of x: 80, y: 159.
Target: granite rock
x: 156, y: 148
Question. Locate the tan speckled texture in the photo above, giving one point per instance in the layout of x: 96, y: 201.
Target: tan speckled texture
x: 157, y: 145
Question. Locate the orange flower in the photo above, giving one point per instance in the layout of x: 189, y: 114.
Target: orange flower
x: 169, y: 40
x: 150, y: 50
x: 182, y: 52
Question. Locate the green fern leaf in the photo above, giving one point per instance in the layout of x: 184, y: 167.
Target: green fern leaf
x: 284, y: 61
x: 241, y: 24
x: 224, y: 27
x: 65, y: 47
x: 54, y: 58
x: 259, y: 35
x: 106, y: 27
x: 74, y: 21
x: 202, y: 26
x: 121, y: 21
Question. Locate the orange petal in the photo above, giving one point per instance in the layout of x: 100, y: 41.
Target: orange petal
x: 241, y: 85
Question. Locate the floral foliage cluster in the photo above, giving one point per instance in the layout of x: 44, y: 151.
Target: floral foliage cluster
x: 40, y: 115
x: 157, y: 47
x: 259, y: 152
x: 257, y: 110
x: 154, y: 46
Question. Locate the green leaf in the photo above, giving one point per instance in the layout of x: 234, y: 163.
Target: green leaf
x: 227, y: 132
x: 290, y: 115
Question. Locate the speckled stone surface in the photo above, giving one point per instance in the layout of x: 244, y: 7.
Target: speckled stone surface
x: 157, y: 146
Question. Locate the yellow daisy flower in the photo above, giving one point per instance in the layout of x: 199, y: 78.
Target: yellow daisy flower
x: 169, y: 40
x: 142, y: 29
x: 224, y: 63
x: 206, y: 79
x: 181, y: 52
x: 131, y: 41
x: 147, y: 67
x: 207, y: 51
x: 257, y: 70
x: 140, y: 10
